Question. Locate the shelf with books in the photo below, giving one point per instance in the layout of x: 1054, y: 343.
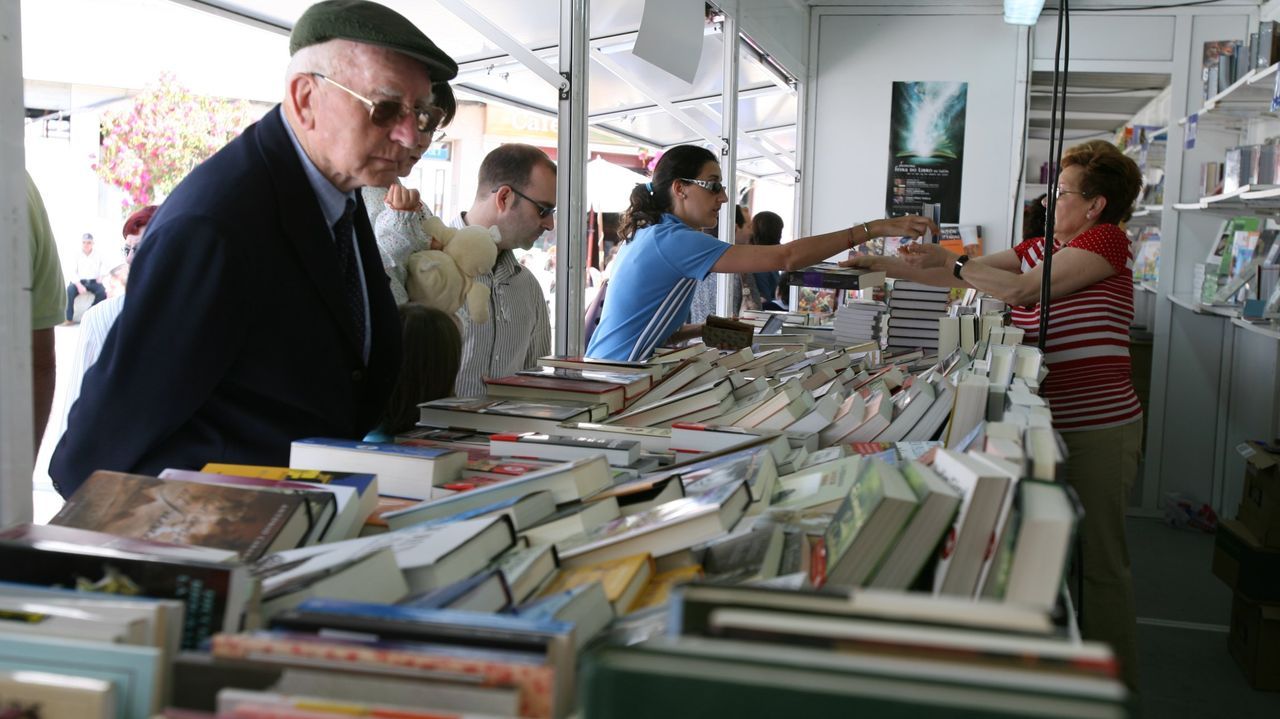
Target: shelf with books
x: 1248, y: 97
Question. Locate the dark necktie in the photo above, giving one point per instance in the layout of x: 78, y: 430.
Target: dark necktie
x: 343, y: 235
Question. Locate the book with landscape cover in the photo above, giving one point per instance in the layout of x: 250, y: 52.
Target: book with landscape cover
x: 365, y: 484
x: 321, y: 503
x: 403, y: 470
x: 214, y: 587
x: 754, y: 464
x: 246, y: 521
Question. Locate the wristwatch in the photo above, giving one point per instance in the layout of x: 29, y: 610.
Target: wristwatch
x: 959, y: 265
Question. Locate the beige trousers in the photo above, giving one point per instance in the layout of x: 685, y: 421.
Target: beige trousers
x: 1102, y: 466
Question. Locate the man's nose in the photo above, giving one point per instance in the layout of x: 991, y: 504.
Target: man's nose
x: 405, y: 132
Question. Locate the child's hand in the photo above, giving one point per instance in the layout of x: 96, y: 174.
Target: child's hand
x: 402, y: 198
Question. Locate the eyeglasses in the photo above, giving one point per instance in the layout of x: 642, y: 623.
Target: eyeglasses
x: 128, y: 249
x: 543, y: 210
x: 1060, y: 192
x: 715, y: 187
x: 385, y: 113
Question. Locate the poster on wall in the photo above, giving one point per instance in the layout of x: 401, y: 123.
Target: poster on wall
x: 926, y: 149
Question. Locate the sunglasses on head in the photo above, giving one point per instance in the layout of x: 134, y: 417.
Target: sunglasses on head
x: 715, y: 187
x: 386, y: 113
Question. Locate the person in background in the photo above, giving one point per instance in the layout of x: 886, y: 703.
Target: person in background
x: 1095, y: 407
x: 88, y: 273
x: 432, y: 355
x: 1033, y: 218
x: 396, y: 213
x: 667, y: 254
x: 741, y: 292
x: 99, y: 319
x: 516, y: 193
x: 766, y: 231
x: 46, y: 309
x: 258, y: 312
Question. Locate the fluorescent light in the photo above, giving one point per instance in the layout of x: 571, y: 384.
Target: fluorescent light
x: 1022, y: 12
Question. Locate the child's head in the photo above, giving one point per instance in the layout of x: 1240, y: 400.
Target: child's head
x: 432, y: 355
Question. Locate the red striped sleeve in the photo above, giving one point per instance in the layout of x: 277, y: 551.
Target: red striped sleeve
x: 1087, y: 351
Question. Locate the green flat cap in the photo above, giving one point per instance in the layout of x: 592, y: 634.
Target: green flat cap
x: 372, y: 24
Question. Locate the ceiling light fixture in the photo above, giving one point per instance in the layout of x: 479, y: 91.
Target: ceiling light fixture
x: 1022, y: 12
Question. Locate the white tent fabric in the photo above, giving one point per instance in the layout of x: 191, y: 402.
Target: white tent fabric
x: 609, y: 186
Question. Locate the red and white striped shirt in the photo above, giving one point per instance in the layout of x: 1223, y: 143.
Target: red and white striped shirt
x: 1087, y: 351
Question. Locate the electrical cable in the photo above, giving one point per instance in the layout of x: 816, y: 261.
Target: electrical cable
x: 1057, y: 126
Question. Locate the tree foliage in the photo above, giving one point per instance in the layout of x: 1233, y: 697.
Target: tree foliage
x: 149, y: 145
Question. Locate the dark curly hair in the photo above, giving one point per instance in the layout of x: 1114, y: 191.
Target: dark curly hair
x: 681, y: 161
x: 432, y: 346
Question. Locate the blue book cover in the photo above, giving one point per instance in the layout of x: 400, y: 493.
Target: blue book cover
x: 401, y: 450
x: 135, y: 671
x: 503, y: 623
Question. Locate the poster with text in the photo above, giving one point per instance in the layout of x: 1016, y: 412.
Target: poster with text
x: 926, y: 149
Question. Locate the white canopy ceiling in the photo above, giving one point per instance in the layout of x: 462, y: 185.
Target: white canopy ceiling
x: 238, y: 48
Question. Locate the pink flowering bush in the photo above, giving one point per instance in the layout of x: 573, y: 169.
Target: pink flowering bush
x: 150, y: 145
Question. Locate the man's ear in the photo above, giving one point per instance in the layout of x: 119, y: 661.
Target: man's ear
x: 502, y: 198
x: 300, y: 94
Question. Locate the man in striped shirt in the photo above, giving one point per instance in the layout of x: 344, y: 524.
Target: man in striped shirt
x: 516, y: 193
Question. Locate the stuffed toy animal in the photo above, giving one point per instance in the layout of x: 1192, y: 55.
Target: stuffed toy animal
x: 445, y: 279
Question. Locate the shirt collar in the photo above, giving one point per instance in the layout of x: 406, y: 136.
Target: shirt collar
x: 333, y: 202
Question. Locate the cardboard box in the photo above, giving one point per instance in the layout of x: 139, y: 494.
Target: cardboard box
x: 1254, y: 642
x: 1260, y: 504
x: 1244, y: 564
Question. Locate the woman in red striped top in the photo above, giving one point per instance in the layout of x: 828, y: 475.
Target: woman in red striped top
x: 1087, y: 352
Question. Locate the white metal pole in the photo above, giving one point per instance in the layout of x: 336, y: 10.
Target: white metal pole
x: 571, y: 182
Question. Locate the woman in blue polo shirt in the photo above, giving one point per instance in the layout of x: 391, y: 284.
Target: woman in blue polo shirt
x: 666, y: 254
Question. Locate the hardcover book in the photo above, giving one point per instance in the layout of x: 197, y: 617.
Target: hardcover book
x: 662, y: 530
x: 833, y: 276
x: 246, y: 521
x: 403, y: 470
x: 538, y: 387
x: 215, y: 594
x: 502, y: 415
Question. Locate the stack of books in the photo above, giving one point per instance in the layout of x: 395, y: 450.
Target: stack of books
x: 860, y: 321
x: 914, y: 311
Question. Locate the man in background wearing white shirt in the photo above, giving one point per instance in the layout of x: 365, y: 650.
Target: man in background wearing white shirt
x: 85, y: 280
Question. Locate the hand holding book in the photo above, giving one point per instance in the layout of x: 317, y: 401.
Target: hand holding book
x: 927, y: 256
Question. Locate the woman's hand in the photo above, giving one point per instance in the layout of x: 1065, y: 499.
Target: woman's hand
x: 926, y: 255
x: 875, y: 263
x: 402, y: 198
x: 905, y: 226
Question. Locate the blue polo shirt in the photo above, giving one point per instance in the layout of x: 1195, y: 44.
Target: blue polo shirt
x: 651, y: 289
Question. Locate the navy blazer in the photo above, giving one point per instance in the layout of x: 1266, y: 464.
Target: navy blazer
x: 234, y: 339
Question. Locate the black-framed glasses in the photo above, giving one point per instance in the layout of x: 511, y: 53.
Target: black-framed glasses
x: 128, y: 249
x: 543, y: 210
x: 715, y: 187
x: 385, y: 113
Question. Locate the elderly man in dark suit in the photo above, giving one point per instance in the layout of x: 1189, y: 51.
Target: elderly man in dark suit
x: 258, y: 309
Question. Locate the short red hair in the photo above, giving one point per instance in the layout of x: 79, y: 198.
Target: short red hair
x: 137, y: 222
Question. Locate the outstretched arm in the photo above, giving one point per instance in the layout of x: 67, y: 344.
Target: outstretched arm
x: 805, y: 251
